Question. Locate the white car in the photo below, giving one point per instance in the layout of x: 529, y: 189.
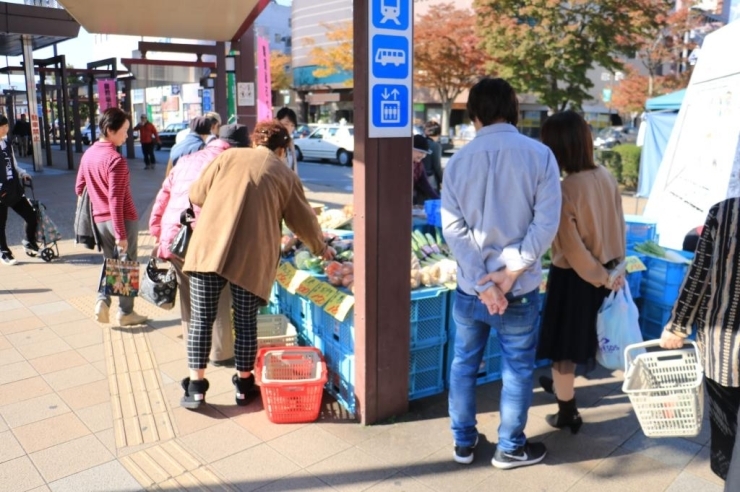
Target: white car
x: 331, y: 142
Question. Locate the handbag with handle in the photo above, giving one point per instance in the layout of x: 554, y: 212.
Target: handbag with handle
x: 179, y: 246
x: 119, y: 277
x: 159, y: 285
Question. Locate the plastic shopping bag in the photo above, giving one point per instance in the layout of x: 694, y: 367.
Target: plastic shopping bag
x: 617, y: 326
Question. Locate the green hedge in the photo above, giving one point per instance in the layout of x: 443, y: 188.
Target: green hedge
x: 623, y: 161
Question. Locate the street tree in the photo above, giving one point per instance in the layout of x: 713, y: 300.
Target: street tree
x: 547, y: 47
x: 337, y: 57
x: 630, y: 94
x: 447, y: 54
x: 280, y: 70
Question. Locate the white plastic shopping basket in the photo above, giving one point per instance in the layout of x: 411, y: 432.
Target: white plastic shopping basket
x: 666, y: 389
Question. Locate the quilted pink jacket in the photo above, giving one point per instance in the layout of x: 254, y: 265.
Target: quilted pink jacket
x: 172, y: 199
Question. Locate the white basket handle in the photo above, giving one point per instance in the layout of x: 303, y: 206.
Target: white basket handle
x: 629, y: 357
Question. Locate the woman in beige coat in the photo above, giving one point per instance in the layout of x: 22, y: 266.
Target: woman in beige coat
x: 244, y: 195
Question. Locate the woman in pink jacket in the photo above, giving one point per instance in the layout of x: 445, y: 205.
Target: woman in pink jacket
x: 164, y: 224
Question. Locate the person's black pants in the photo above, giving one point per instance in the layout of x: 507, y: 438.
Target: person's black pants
x: 148, y: 149
x: 27, y: 213
x: 733, y: 475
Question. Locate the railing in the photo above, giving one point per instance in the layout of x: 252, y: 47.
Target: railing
x: 52, y: 4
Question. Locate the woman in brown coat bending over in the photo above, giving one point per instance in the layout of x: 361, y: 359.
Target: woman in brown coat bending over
x: 244, y: 195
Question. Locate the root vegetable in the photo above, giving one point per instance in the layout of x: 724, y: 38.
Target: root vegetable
x: 348, y: 280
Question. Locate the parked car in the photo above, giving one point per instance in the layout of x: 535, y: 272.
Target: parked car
x: 303, y: 131
x: 86, y: 134
x: 169, y: 134
x: 330, y: 142
x: 612, y: 136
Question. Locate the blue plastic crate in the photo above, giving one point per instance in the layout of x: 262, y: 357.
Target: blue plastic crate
x: 426, y: 371
x: 662, y: 280
x: 640, y: 229
x: 285, y: 302
x: 656, y: 312
x: 433, y: 209
x: 331, y: 329
x: 650, y: 329
x: 341, y: 367
x: 429, y: 317
x: 634, y: 280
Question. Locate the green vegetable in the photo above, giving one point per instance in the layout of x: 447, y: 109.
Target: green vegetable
x: 651, y: 248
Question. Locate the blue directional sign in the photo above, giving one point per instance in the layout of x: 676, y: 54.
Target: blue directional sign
x: 390, y: 57
x: 390, y: 106
x: 206, y: 100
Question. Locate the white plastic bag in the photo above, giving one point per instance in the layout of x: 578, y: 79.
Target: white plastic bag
x: 617, y: 326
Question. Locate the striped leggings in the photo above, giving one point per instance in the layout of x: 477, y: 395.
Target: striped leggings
x: 205, y: 289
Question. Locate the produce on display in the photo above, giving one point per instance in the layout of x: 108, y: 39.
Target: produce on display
x: 651, y: 248
x: 432, y: 263
x: 334, y: 219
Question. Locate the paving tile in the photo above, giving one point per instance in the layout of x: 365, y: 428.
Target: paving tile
x: 35, y: 299
x: 504, y: 482
x: 108, y: 439
x: 75, y: 376
x: 43, y: 488
x: 627, y: 471
x: 403, y: 483
x: 10, y: 448
x: 4, y: 343
x: 23, y: 390
x: 159, y: 464
x: 51, y: 308
x: 686, y: 482
x: 10, y: 356
x: 58, y: 362
x: 71, y: 457
x: 9, y: 305
x: 3, y: 425
x: 409, y: 442
x: 188, y: 422
x: 353, y: 470
x: 219, y: 441
x: 75, y: 327
x: 19, y: 475
x: 254, y: 468
x: 102, y: 478
x: 97, y: 417
x: 300, y: 480
x: 322, y: 445
x: 255, y: 420
x: 85, y: 339
x: 50, y: 432
x: 671, y: 451
x: 32, y: 337
x: 42, y: 349
x: 93, y: 353
x: 169, y: 352
x: 439, y: 472
x: 86, y: 395
x: 53, y: 319
x: 16, y: 372
x: 351, y: 431
x: 23, y: 320
x: 33, y: 410
x: 700, y: 467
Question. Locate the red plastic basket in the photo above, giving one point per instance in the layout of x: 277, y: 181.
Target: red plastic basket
x: 292, y: 383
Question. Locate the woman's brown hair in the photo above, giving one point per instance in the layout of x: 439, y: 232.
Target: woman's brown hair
x: 569, y: 137
x: 112, y: 120
x: 271, y: 134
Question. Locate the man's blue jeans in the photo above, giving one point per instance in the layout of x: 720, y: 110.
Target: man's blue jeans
x: 518, y: 333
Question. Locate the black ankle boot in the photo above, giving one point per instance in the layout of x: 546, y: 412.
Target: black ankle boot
x: 547, y: 385
x: 567, y: 416
x: 195, y: 393
x: 245, y: 389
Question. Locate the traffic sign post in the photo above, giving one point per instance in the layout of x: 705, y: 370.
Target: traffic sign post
x: 390, y: 56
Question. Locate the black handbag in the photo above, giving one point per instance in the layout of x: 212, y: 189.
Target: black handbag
x: 159, y: 285
x: 179, y: 246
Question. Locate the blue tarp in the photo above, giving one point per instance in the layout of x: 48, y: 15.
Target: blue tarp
x: 659, y: 128
x: 670, y: 102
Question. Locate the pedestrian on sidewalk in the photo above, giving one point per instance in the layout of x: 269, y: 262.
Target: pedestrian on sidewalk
x: 202, y: 130
x: 22, y: 130
x: 164, y: 224
x: 12, y: 195
x: 148, y: 137
x: 500, y: 213
x: 245, y: 195
x: 289, y: 120
x: 422, y: 188
x: 105, y: 174
x: 433, y: 161
x: 589, y: 244
x: 709, y: 300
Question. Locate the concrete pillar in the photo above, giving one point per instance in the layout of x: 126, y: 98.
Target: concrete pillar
x: 222, y: 107
x: 33, y: 116
x: 245, y: 72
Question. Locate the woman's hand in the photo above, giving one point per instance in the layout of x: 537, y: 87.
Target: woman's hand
x: 670, y: 341
x: 617, y: 284
x: 329, y: 253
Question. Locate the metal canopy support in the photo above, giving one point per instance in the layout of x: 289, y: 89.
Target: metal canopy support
x: 112, y: 63
x: 128, y: 107
x: 382, y: 309
x: 66, y: 121
x: 59, y: 69
x: 245, y: 72
x: 222, y: 106
x: 33, y: 115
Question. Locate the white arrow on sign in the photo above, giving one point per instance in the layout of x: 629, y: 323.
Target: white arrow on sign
x: 393, y: 93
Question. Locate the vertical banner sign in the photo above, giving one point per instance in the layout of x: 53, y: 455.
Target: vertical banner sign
x: 35, y: 128
x: 107, y: 94
x: 390, y: 76
x: 264, y: 80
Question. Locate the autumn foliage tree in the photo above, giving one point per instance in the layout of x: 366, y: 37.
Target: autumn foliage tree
x: 547, y: 47
x: 447, y: 55
x: 280, y: 70
x: 338, y: 57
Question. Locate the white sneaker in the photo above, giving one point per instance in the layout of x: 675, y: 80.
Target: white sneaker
x: 102, y: 312
x: 6, y: 258
x: 132, y: 319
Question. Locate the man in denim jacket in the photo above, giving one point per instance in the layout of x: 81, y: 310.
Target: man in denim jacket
x: 500, y: 212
